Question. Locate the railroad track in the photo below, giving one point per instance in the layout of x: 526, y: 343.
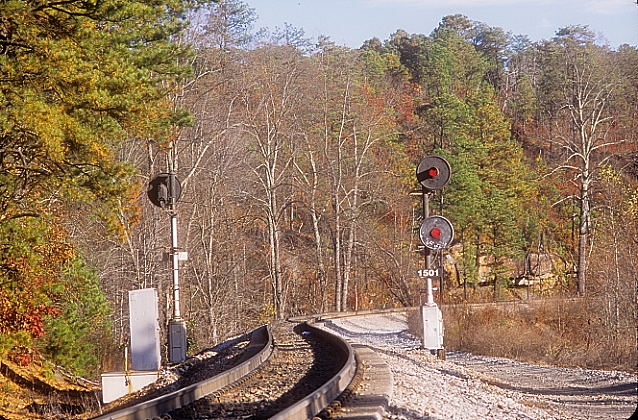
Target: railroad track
x: 292, y: 371
x: 257, y: 349
x: 277, y: 378
x: 307, y: 389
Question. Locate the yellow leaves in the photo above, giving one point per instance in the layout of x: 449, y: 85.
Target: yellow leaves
x: 145, y: 122
x: 44, y: 124
x: 610, y: 174
x: 633, y: 204
x: 74, y: 84
x: 98, y: 153
x: 625, y: 193
x: 55, y: 255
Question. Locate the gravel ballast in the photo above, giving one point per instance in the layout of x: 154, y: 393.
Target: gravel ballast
x: 467, y: 386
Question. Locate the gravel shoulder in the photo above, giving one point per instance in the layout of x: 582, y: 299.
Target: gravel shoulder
x: 467, y: 386
x: 575, y: 393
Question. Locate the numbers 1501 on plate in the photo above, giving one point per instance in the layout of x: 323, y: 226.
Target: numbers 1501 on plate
x: 428, y: 273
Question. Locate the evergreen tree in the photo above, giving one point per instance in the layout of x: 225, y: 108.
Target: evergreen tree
x: 492, y: 187
x: 73, y: 338
x: 77, y: 78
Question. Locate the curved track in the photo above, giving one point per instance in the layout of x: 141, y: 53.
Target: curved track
x: 294, y: 376
x: 384, y: 399
x: 258, y: 351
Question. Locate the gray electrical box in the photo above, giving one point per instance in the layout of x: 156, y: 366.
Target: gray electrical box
x: 432, y: 327
x: 145, y: 330
x: 177, y: 340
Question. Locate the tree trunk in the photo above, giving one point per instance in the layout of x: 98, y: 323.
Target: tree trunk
x: 275, y: 260
x: 337, y: 251
x: 321, y: 267
x: 583, y: 238
x: 347, y: 259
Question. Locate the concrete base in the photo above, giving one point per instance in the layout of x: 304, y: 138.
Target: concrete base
x: 118, y: 384
x: 370, y: 400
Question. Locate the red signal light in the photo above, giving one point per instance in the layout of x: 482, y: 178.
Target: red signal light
x: 433, y: 173
x: 436, y: 232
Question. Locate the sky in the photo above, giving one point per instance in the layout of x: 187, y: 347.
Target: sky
x: 351, y: 22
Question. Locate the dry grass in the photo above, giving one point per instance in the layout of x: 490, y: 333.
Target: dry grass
x: 36, y: 392
x: 560, y: 332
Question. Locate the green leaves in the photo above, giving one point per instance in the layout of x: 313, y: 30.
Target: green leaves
x: 77, y: 78
x: 73, y: 337
x: 31, y: 259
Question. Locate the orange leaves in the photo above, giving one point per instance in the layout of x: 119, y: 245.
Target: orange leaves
x: 373, y: 100
x: 33, y: 258
x: 406, y: 108
x: 20, y: 313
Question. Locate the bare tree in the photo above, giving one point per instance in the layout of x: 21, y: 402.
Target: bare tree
x: 353, y: 124
x: 614, y: 264
x: 307, y: 165
x: 588, y: 86
x: 270, y: 93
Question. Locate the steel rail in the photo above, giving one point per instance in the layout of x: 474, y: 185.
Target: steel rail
x: 258, y: 351
x: 349, y: 314
x: 323, y: 396
x: 306, y: 408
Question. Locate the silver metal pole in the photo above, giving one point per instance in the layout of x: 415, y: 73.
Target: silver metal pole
x: 176, y: 312
x: 426, y: 260
x: 430, y: 296
x: 176, y: 326
x: 427, y: 253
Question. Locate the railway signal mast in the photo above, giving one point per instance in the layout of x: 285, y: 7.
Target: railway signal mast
x: 164, y: 191
x: 436, y: 233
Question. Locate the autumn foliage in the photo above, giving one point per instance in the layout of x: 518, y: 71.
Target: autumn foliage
x: 33, y: 259
x: 297, y: 164
x: 77, y: 79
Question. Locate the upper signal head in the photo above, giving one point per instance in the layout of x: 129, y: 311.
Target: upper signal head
x: 433, y: 172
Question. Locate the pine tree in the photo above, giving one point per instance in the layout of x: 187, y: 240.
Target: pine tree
x: 77, y: 78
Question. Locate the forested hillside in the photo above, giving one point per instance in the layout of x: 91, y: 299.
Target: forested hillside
x: 297, y: 161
